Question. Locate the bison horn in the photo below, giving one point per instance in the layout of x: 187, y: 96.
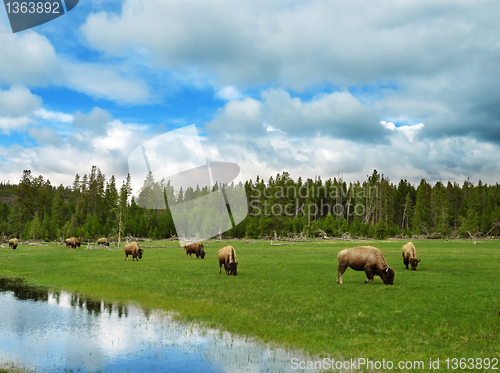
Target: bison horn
x: 386, y: 270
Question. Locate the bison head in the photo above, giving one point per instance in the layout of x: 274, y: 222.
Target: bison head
x: 202, y: 254
x: 233, y: 268
x: 139, y: 253
x: 388, y: 276
x: 414, y: 263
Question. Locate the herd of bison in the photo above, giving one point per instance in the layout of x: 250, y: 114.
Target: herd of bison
x: 361, y: 258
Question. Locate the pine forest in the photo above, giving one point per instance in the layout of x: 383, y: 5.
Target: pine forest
x: 95, y: 206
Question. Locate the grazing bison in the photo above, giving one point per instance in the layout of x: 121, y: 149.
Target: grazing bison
x: 103, y: 241
x: 195, y: 248
x: 368, y: 259
x: 410, y: 256
x: 134, y: 250
x: 13, y: 243
x: 72, y: 242
x: 227, y: 256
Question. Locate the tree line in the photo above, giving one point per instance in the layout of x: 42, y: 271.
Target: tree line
x: 94, y: 206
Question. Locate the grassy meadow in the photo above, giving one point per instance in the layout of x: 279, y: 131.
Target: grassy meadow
x: 288, y: 295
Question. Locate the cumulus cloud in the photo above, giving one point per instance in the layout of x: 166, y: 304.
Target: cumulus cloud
x: 29, y: 58
x: 59, y: 159
x: 53, y: 116
x: 438, y: 56
x: 18, y: 101
x: 454, y: 159
x: 408, y: 131
x: 228, y: 93
x: 297, y: 43
x: 409, y: 88
x: 94, y: 122
x: 9, y: 124
x: 45, y: 136
x: 104, y: 81
x: 20, y: 51
x: 238, y: 116
x: 338, y: 114
x: 16, y: 108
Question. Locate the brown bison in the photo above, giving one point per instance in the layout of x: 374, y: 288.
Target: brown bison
x: 72, y: 242
x: 368, y: 259
x: 133, y: 249
x: 410, y: 256
x: 227, y: 256
x: 195, y: 248
x: 103, y: 241
x: 13, y: 243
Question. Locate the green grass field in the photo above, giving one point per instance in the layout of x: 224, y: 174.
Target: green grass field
x: 288, y: 295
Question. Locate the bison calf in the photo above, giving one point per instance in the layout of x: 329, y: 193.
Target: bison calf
x: 13, y: 243
x: 133, y: 249
x: 410, y: 256
x: 227, y: 257
x: 368, y: 259
x: 195, y: 248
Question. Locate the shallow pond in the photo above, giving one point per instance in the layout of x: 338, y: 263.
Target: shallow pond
x: 62, y: 332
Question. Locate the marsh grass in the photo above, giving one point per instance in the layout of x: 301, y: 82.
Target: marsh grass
x: 11, y: 368
x: 288, y: 295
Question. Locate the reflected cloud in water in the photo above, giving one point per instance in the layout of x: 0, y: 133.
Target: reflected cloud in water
x: 61, y: 332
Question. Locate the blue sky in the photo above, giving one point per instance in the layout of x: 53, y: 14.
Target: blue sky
x: 309, y: 87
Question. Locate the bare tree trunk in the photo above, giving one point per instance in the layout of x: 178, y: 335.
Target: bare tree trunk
x: 120, y: 229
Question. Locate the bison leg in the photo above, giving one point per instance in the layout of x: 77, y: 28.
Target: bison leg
x: 340, y: 272
x: 406, y: 260
x: 369, y: 275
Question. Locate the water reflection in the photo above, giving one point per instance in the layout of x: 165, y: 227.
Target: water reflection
x: 64, y: 332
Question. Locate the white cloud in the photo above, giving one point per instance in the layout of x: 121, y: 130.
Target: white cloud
x: 18, y: 101
x: 452, y: 159
x: 436, y: 58
x: 238, y: 116
x: 271, y: 128
x: 59, y: 159
x: 120, y: 137
x: 410, y: 63
x: 408, y: 131
x: 228, y: 93
x: 8, y: 124
x: 298, y: 43
x: 338, y: 114
x: 104, y: 81
x: 45, y: 136
x: 27, y: 58
x: 53, y: 116
x: 94, y: 122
